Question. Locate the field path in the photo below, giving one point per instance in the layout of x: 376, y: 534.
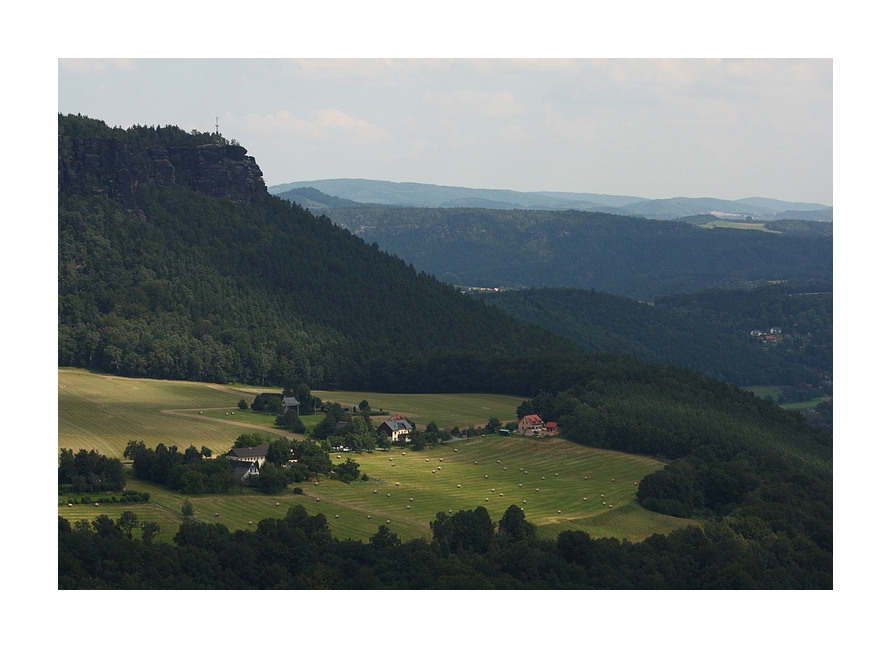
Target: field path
x: 283, y: 433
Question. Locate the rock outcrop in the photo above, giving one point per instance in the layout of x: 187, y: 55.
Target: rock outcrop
x: 116, y: 168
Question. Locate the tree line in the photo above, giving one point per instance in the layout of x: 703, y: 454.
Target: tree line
x: 468, y: 550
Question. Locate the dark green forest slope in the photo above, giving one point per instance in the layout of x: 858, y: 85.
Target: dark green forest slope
x: 708, y: 331
x: 618, y: 254
x: 160, y: 278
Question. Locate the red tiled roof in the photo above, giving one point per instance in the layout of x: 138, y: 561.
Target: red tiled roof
x: 551, y: 425
x: 533, y: 419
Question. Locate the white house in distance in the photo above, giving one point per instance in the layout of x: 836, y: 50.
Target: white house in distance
x: 397, y: 427
x: 257, y: 454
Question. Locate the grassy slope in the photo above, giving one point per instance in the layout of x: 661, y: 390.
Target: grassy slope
x: 434, y: 492
x: 101, y: 412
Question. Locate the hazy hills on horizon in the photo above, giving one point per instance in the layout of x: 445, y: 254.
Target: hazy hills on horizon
x: 345, y: 191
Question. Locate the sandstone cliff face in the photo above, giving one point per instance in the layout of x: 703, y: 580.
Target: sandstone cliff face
x: 114, y: 168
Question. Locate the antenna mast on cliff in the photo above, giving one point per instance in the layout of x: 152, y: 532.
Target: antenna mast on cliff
x: 218, y: 126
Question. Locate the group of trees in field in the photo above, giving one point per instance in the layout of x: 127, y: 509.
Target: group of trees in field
x: 192, y: 471
x: 195, y: 472
x: 89, y: 471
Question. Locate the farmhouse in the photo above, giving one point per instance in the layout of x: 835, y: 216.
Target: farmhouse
x: 530, y: 424
x: 396, y: 427
x: 291, y: 403
x: 257, y: 455
x: 551, y: 427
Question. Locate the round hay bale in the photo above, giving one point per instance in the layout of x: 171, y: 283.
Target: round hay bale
x: 369, y: 517
x: 500, y: 494
x: 487, y: 499
x: 411, y: 499
x: 388, y: 521
x: 433, y: 471
x: 521, y: 485
x: 317, y: 499
x: 216, y: 515
x: 604, y: 503
x: 97, y: 503
x: 388, y: 494
x: 498, y: 461
x: 250, y: 522
x: 610, y: 505
x: 475, y: 463
x: 613, y: 480
x: 505, y: 468
x: 559, y: 511
x: 277, y: 504
x: 397, y: 483
x: 439, y: 467
x: 427, y: 460
x: 555, y: 475
x: 456, y: 449
x: 537, y: 490
x: 586, y: 479
x: 70, y: 504
x: 493, y: 490
x: 337, y: 516
x: 524, y: 501
x: 601, y: 496
x: 542, y: 479
x: 486, y: 476
x: 450, y: 510
x: 459, y: 485
x: 522, y: 509
x: 375, y: 491
x: 440, y: 458
x: 201, y: 412
x: 403, y: 454
x: 338, y: 456
x: 584, y: 499
x: 409, y: 506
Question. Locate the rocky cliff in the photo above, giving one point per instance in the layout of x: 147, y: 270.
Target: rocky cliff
x: 116, y: 168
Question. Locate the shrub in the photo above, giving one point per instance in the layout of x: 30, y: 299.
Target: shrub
x: 298, y: 490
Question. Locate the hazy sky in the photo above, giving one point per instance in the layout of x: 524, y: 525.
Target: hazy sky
x: 652, y: 128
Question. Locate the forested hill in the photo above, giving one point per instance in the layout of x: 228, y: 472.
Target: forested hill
x: 708, y: 331
x: 624, y: 255
x: 174, y: 262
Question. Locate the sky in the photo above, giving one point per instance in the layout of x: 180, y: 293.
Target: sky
x: 654, y: 128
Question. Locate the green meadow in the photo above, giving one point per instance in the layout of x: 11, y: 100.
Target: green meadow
x: 560, y: 485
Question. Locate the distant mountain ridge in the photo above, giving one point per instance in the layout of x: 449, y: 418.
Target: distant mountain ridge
x: 413, y: 194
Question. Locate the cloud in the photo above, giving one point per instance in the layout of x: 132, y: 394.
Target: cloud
x: 86, y: 66
x: 366, y: 71
x: 475, y: 102
x: 324, y: 124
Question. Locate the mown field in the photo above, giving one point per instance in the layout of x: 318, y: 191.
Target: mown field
x: 104, y: 412
x: 101, y: 412
x: 546, y: 477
